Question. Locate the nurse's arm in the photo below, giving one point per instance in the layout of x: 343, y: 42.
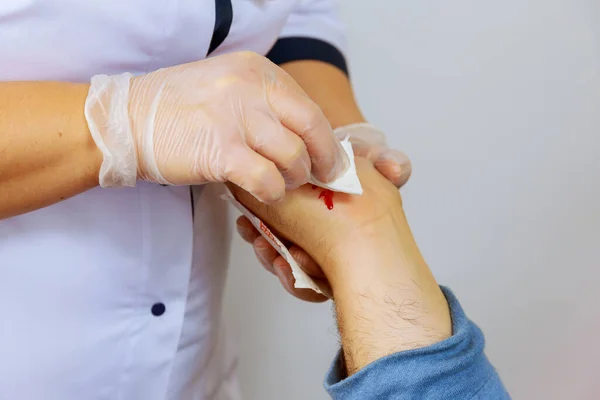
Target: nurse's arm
x: 329, y: 87
x: 311, y: 49
x: 46, y: 151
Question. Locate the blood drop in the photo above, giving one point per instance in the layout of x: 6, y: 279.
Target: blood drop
x: 327, y: 196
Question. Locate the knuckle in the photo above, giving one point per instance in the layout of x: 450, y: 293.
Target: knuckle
x: 248, y: 55
x: 228, y: 80
x: 250, y: 60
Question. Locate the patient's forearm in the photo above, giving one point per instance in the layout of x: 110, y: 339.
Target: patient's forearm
x: 386, y: 298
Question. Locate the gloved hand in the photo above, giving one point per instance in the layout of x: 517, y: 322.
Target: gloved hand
x: 367, y: 142
x: 237, y: 117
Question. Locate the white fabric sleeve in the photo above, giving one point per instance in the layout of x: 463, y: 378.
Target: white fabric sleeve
x: 314, y: 31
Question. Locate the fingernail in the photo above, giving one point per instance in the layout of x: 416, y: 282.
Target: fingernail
x: 397, y: 164
x: 406, y: 172
x: 397, y: 156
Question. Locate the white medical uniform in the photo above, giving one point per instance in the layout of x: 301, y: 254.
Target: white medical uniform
x: 116, y: 293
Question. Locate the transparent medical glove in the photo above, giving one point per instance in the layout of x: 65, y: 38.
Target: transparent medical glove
x: 233, y: 118
x: 370, y: 143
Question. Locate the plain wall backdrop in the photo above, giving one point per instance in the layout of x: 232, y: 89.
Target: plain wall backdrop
x: 498, y: 106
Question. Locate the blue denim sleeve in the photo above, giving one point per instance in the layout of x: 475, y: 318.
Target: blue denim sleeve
x: 456, y: 369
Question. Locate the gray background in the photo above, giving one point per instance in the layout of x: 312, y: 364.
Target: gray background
x: 498, y: 105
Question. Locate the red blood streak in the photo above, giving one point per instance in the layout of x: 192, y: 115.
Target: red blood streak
x: 327, y: 196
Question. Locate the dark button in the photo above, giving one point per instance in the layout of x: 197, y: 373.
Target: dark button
x: 158, y: 309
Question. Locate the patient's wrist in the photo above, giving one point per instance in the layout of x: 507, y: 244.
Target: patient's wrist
x: 373, y: 251
x: 386, y: 298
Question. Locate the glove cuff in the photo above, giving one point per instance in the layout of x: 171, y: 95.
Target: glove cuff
x: 362, y: 131
x: 107, y: 115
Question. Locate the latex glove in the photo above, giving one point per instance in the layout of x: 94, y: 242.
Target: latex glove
x: 237, y: 117
x: 367, y: 142
x: 370, y: 143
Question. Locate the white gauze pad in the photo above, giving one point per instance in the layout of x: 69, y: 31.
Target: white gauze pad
x: 347, y: 183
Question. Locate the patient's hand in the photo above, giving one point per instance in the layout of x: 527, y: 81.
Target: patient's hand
x: 320, y: 237
x: 385, y: 295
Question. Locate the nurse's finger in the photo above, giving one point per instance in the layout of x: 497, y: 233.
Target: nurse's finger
x: 393, y: 164
x: 246, y: 230
x: 253, y: 173
x: 306, y: 119
x: 269, y: 138
x: 284, y: 273
x: 265, y: 253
